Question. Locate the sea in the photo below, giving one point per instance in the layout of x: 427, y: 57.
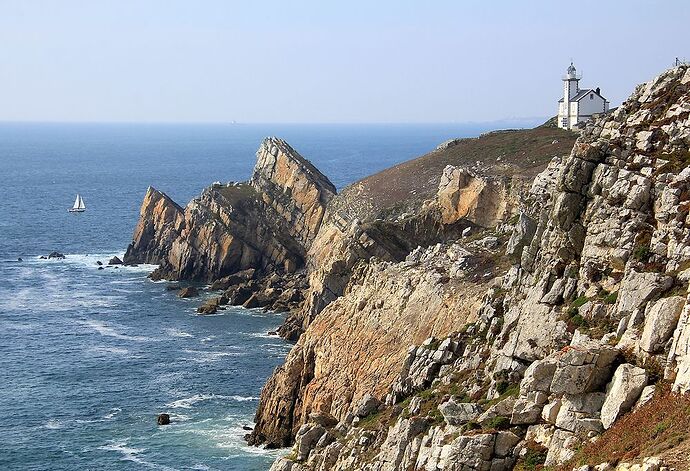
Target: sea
x: 89, y: 357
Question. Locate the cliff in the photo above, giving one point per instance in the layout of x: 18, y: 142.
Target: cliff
x: 266, y: 224
x: 551, y: 333
x: 373, y: 288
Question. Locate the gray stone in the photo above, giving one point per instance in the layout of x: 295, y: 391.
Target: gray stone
x: 458, y: 413
x: 367, y: 405
x: 660, y: 321
x: 539, y: 375
x: 307, y: 437
x: 625, y: 388
x: 504, y: 443
x: 638, y: 288
x: 525, y: 412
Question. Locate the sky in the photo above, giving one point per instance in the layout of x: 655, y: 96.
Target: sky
x: 322, y: 61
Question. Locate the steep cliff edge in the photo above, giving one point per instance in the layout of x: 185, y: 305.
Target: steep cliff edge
x: 588, y: 324
x: 269, y: 222
x: 374, y: 288
x: 464, y: 182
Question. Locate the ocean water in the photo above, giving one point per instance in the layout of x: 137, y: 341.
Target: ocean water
x: 89, y: 357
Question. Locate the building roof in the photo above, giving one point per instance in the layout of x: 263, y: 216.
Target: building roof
x: 583, y: 93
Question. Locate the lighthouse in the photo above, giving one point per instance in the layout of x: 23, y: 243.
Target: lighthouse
x: 578, y: 105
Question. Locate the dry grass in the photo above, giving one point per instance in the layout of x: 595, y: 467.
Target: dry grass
x: 522, y: 153
x: 659, y: 428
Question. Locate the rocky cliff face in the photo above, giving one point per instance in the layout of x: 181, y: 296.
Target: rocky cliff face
x: 358, y: 314
x: 588, y: 324
x: 269, y: 222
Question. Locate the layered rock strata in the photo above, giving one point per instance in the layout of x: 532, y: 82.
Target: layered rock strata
x: 269, y: 222
x: 579, y: 331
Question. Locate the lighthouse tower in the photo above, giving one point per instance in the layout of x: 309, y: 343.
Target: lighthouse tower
x: 571, y: 87
x: 578, y: 105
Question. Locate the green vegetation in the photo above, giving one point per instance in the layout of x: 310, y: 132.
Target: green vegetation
x: 579, y: 302
x: 497, y: 423
x: 611, y: 298
x: 534, y: 458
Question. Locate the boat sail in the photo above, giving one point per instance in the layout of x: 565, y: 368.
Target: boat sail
x: 79, y: 206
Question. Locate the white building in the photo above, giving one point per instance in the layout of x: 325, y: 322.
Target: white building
x: 578, y: 105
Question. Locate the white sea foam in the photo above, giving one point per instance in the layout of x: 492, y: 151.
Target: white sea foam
x: 262, y: 335
x: 107, y: 349
x: 129, y: 453
x: 53, y: 424
x: 109, y: 331
x: 113, y: 412
x: 208, y: 339
x: 188, y: 402
x: 205, y: 356
x: 178, y: 333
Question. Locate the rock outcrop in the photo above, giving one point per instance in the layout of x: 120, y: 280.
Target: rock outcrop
x: 533, y: 367
x: 266, y: 224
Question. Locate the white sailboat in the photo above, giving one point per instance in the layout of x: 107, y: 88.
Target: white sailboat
x: 79, y: 206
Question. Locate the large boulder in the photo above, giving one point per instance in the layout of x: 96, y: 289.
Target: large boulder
x: 458, y: 413
x: 638, y: 288
x: 367, y: 405
x: 622, y: 393
x: 660, y: 321
x: 583, y: 368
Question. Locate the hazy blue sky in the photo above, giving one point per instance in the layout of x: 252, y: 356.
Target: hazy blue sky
x: 323, y: 61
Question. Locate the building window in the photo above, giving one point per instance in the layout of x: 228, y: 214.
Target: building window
x: 591, y: 96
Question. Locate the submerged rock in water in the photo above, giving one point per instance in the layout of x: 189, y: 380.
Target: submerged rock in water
x: 20, y: 259
x: 163, y: 419
x: 99, y: 263
x: 115, y: 261
x: 56, y: 255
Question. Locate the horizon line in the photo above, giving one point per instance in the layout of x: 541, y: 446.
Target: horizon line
x: 283, y: 123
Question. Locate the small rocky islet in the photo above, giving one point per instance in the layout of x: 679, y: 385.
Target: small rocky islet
x: 511, y: 301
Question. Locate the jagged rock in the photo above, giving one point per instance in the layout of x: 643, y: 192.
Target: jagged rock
x: 505, y: 442
x: 115, y: 261
x: 550, y: 412
x: 580, y: 413
x: 268, y: 223
x: 539, y: 375
x: 522, y: 236
x: 209, y: 307
x: 163, y: 419
x: 561, y: 447
x: 528, y: 408
x: 458, y: 413
x: 234, y: 279
x: 481, y: 200
x: 638, y: 288
x: 625, y: 388
x: 367, y: 405
x: 55, y: 255
x: 581, y: 370
x: 306, y: 439
x: 661, y: 319
x: 503, y: 408
x: 188, y: 292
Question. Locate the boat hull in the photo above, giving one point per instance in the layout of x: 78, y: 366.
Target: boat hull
x: 76, y: 210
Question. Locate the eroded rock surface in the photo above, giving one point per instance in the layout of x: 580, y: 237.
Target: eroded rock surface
x: 589, y: 318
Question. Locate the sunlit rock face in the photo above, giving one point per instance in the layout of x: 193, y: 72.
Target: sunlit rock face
x: 267, y: 223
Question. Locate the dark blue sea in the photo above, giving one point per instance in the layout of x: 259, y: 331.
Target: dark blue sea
x: 89, y: 357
